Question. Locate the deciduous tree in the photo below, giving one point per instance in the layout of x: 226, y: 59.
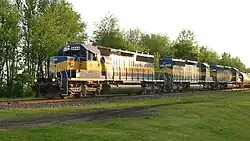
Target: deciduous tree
x: 109, y: 34
x: 185, y: 46
x: 156, y: 43
x: 9, y: 43
x: 208, y: 55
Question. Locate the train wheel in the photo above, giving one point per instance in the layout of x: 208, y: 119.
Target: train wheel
x: 83, y: 93
x: 97, y: 93
x: 143, y: 91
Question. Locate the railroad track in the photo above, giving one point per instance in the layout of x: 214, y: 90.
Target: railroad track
x: 44, y: 100
x: 43, y: 103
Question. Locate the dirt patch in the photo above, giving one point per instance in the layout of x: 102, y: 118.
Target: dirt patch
x: 86, y: 116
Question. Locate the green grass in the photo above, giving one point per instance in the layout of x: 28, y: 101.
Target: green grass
x: 34, y: 112
x: 220, y: 117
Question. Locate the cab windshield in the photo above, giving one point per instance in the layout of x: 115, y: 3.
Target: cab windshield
x: 75, y: 53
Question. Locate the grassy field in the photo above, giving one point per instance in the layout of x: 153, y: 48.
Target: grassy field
x: 221, y: 116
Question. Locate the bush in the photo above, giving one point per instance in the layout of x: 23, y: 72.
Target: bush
x: 28, y: 92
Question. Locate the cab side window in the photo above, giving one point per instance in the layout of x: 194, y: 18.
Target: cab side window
x: 92, y: 56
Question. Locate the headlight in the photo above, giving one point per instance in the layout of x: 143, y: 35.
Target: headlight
x: 53, y: 79
x: 35, y: 80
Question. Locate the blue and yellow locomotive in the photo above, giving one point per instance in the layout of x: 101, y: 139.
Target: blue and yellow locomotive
x: 199, y: 75
x: 81, y: 70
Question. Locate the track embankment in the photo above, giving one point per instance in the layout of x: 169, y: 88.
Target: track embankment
x: 46, y: 103
x: 83, y: 101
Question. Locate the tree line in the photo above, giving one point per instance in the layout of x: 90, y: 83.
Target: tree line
x: 33, y: 30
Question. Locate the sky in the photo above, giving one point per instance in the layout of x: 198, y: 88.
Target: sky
x: 223, y: 25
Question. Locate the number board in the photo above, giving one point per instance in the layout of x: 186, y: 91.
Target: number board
x: 68, y: 48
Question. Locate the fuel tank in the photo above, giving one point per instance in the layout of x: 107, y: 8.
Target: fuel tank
x: 230, y: 86
x: 120, y: 89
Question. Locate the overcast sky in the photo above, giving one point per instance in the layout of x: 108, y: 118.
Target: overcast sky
x: 221, y: 24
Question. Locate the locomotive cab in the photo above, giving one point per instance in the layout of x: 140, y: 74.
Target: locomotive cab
x: 205, y: 78
x: 222, y: 76
x: 237, y: 78
x: 72, y: 64
x: 87, y: 63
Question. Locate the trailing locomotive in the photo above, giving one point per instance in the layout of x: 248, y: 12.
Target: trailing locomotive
x: 81, y: 70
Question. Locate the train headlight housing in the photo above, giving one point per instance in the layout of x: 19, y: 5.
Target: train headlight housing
x: 53, y: 79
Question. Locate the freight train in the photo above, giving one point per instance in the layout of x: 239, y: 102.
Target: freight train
x: 80, y: 70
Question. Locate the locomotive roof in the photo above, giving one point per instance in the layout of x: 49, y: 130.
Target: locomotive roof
x: 173, y: 59
x: 125, y: 51
x: 205, y: 64
x: 235, y: 69
x: 180, y: 60
x: 96, y: 49
x: 192, y: 62
x: 228, y: 67
x: 93, y: 49
x: 79, y: 46
x: 217, y: 66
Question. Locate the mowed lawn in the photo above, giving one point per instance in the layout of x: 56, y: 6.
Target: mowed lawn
x: 220, y: 116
